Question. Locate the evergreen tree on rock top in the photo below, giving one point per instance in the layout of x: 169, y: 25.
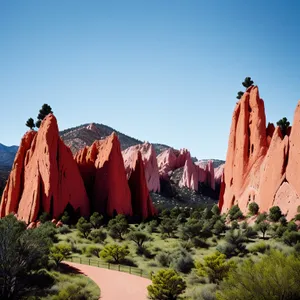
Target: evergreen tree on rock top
x: 247, y: 82
x: 44, y: 111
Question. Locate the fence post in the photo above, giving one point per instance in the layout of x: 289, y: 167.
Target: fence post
x: 108, y: 265
x: 80, y: 260
x: 71, y: 259
x: 98, y: 263
x: 129, y: 270
x: 141, y: 273
x: 119, y: 267
x: 89, y: 261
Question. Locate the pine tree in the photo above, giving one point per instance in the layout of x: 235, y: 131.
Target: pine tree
x: 284, y: 125
x: 247, y: 82
x: 239, y: 95
x: 30, y: 123
x: 44, y: 111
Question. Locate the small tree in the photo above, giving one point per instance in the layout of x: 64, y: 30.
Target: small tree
x: 263, y: 227
x: 253, y: 208
x: 114, y: 253
x: 275, y: 213
x: 65, y: 218
x: 168, y: 226
x: 247, y: 82
x: 235, y: 213
x: 30, y: 123
x: 166, y: 284
x: 283, y: 125
x: 96, y: 220
x: 215, y: 210
x: 98, y: 235
x: 139, y: 237
x: 60, y: 252
x: 84, y: 227
x: 118, y: 227
x: 261, y: 217
x: 219, y: 227
x: 44, y: 111
x: 239, y: 95
x: 214, y: 267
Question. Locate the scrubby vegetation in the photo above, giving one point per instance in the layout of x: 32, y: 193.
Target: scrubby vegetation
x: 199, y: 249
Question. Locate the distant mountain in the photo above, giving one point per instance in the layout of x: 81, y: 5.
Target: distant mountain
x: 84, y: 135
x: 216, y: 162
x: 7, y: 155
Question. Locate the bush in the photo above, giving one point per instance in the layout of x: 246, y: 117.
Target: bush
x: 214, y: 267
x: 253, y: 208
x: 84, y: 227
x: 275, y: 213
x: 235, y: 243
x: 139, y: 237
x: 64, y: 229
x: 118, y: 227
x: 263, y: 227
x: 60, y: 252
x: 260, y: 247
x: 184, y: 263
x: 98, y: 235
x: 261, y: 217
x: 96, y: 220
x: 235, y: 225
x: 219, y: 227
x: 273, y: 277
x: 65, y: 218
x: 78, y: 290
x: 114, y: 253
x: 93, y: 251
x: 44, y: 217
x: 235, y: 213
x: 168, y: 226
x: 215, y: 210
x: 163, y: 258
x: 297, y: 217
x: 200, y: 243
x: 166, y: 284
x: 291, y: 237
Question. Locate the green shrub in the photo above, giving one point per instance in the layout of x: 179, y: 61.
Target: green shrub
x: 84, y: 227
x: 291, y: 237
x: 166, y: 284
x: 98, y: 235
x: 64, y: 229
x: 93, y: 251
x: 235, y: 225
x: 60, y: 252
x: 163, y: 258
x: 261, y: 217
x: 260, y: 247
x: 114, y: 253
x: 200, y: 243
x: 184, y: 263
x: 273, y: 277
x: 275, y: 213
x: 214, y: 267
x: 118, y: 227
x: 253, y: 208
x: 96, y: 220
x: 297, y: 217
x: 235, y: 213
x: 263, y: 227
x: 78, y: 290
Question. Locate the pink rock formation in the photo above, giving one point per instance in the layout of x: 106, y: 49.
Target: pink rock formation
x: 59, y: 224
x: 102, y: 169
x: 44, y: 177
x: 149, y: 161
x: 170, y: 160
x: 141, y: 202
x: 198, y: 172
x: 32, y: 225
x: 219, y: 173
x: 261, y: 164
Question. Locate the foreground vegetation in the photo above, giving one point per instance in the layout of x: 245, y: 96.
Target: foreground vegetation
x: 198, y: 250
x: 29, y: 267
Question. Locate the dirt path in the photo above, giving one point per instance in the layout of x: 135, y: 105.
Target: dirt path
x: 115, y: 285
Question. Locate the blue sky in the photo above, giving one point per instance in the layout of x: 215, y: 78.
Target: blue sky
x: 161, y: 71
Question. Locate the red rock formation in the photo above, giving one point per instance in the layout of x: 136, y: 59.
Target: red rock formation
x: 44, y: 178
x: 14, y: 187
x: 141, y: 202
x: 102, y: 169
x: 170, y: 160
x: 261, y: 165
x: 150, y: 164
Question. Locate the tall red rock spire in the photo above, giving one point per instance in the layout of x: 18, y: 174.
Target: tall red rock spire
x: 44, y: 178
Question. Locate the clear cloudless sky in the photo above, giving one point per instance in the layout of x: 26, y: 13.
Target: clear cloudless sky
x: 161, y: 71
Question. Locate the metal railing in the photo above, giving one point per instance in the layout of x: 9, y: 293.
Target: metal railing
x: 110, y: 266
